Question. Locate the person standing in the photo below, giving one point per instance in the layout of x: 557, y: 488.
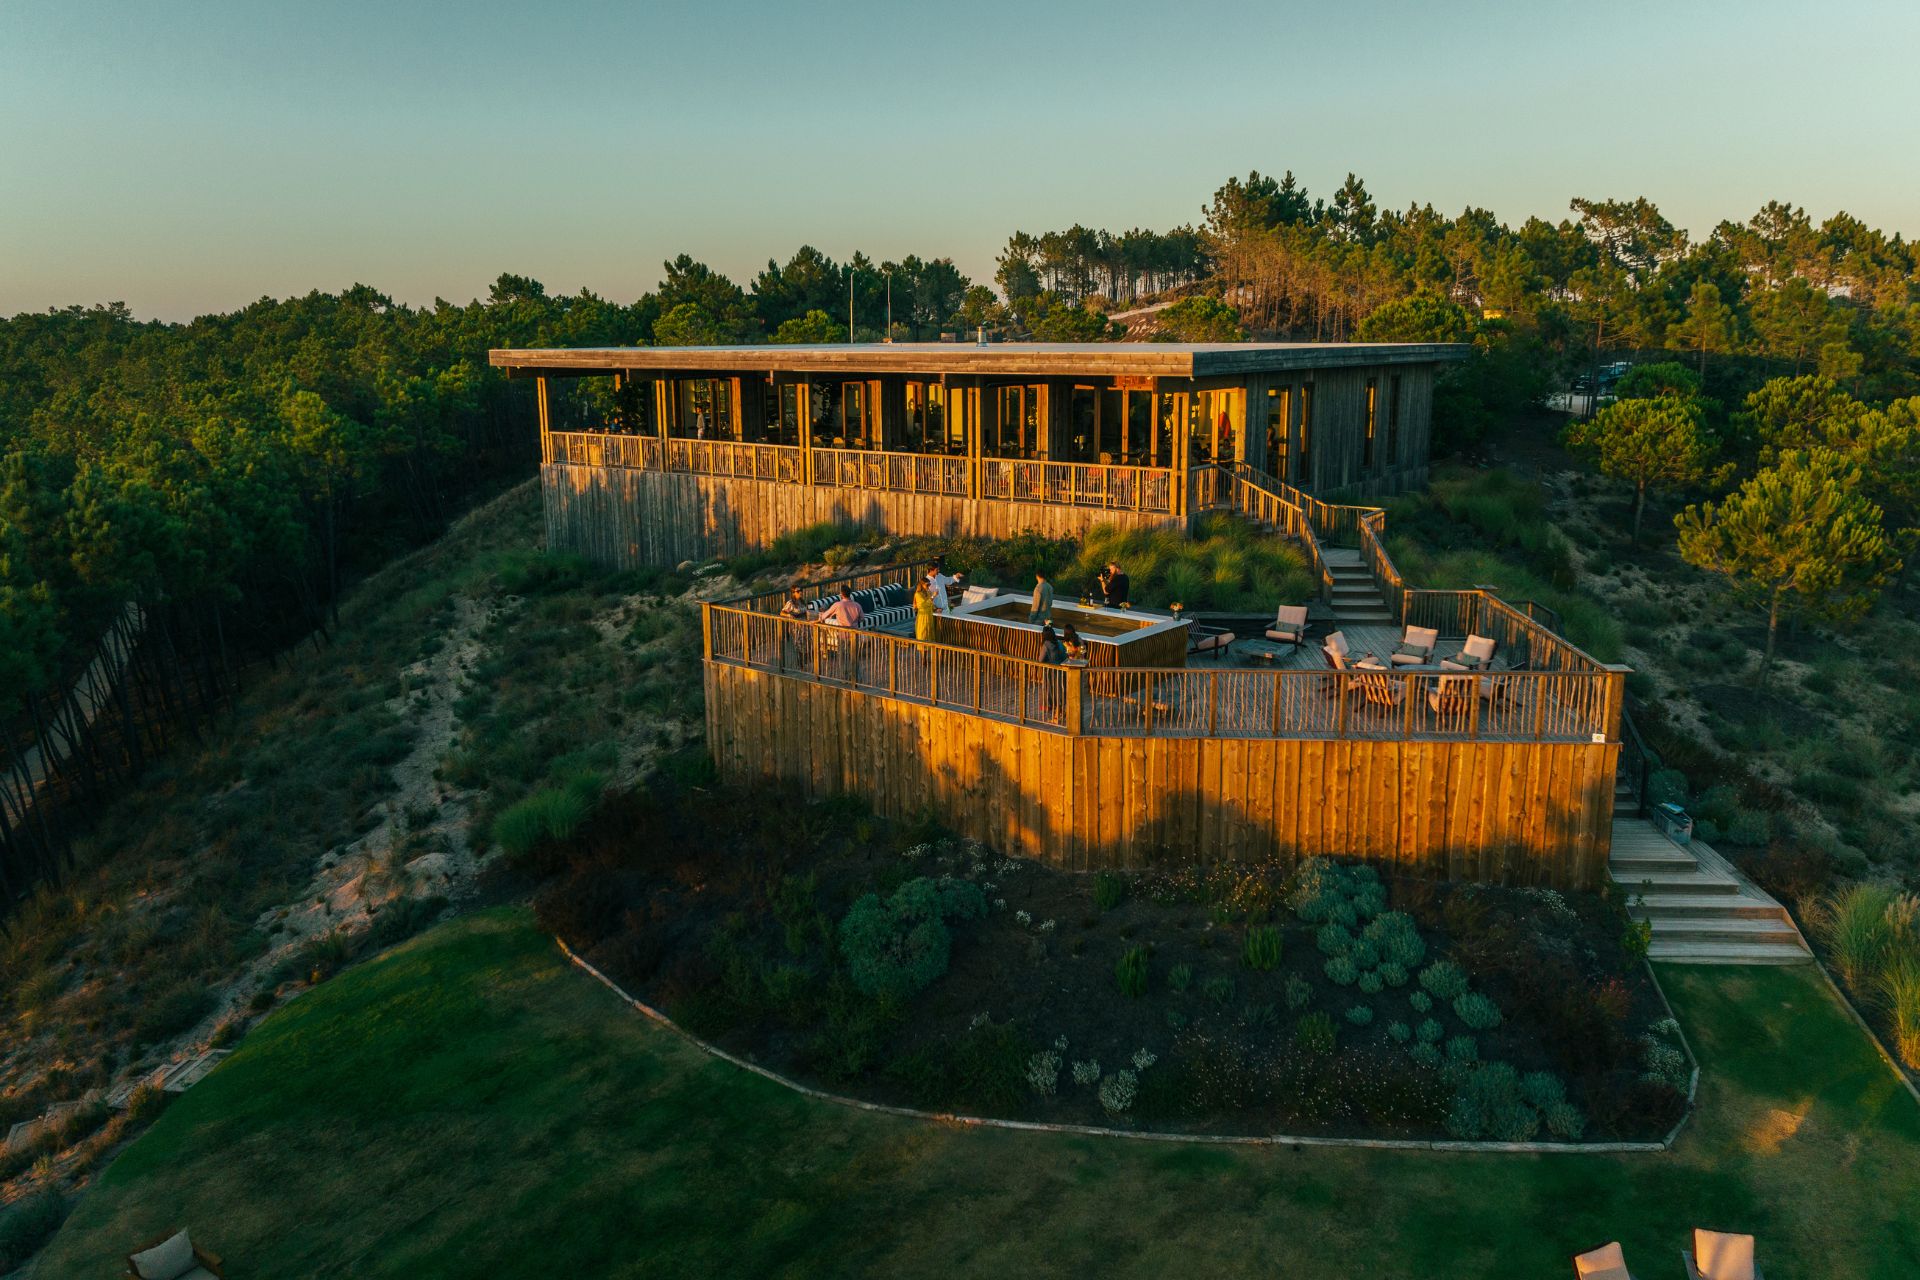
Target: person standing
x: 1115, y: 588
x: 938, y: 581
x: 1042, y: 604
x: 923, y: 614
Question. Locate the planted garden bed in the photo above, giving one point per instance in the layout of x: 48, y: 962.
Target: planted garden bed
x: 901, y: 965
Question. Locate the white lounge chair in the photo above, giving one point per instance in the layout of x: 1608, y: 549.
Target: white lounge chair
x: 1452, y: 695
x: 1416, y: 647
x: 974, y: 595
x: 1475, y: 655
x: 1289, y: 625
x: 1605, y: 1263
x: 174, y: 1257
x: 1716, y: 1255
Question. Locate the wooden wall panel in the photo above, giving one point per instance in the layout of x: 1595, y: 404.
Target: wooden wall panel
x: 1514, y: 813
x: 626, y: 518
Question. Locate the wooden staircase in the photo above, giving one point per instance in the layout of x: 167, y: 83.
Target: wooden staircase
x: 1702, y: 909
x: 1356, y: 599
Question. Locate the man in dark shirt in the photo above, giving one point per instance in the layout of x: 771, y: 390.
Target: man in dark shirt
x: 1114, y: 586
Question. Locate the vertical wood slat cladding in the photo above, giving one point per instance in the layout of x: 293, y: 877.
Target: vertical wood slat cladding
x: 625, y: 518
x: 1526, y: 813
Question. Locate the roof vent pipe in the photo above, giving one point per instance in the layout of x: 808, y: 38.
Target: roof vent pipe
x: 981, y: 337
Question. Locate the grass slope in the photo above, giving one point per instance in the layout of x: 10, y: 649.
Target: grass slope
x: 467, y: 1105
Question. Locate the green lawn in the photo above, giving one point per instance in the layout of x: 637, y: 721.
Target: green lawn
x: 469, y: 1106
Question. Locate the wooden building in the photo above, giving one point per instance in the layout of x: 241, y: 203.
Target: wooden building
x: 679, y: 453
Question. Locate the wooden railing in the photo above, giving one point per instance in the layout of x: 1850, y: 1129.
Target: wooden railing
x: 900, y: 575
x: 697, y: 457
x: 1265, y: 500
x: 900, y: 472
x: 1077, y: 484
x: 1502, y: 706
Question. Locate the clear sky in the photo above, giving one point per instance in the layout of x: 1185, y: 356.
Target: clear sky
x: 189, y: 156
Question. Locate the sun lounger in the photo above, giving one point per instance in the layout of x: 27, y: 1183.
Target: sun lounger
x: 1605, y: 1263
x: 1716, y: 1255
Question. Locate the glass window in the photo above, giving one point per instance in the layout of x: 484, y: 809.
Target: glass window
x: 1279, y: 402
x: 1306, y: 435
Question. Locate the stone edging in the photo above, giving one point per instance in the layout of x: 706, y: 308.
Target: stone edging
x: 1693, y: 1077
x: 1097, y: 1131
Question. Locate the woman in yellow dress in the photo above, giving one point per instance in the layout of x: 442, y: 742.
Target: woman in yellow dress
x: 922, y: 613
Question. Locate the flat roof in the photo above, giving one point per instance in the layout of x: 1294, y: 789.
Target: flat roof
x: 1044, y: 359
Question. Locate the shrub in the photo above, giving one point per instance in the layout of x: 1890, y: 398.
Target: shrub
x: 1180, y: 977
x: 1109, y: 890
x: 1360, y: 1015
x: 1333, y: 940
x: 1393, y: 974
x: 1372, y: 983
x: 1667, y: 786
x: 1664, y: 1064
x: 175, y: 1010
x: 1086, y: 1072
x: 1219, y: 990
x: 1365, y: 954
x: 1424, y: 1054
x: 1430, y: 1032
x: 901, y: 946
x: 1118, y: 1091
x: 1749, y: 827
x: 1130, y: 971
x: 1299, y: 993
x: 1444, y: 980
x: 1563, y: 1120
x: 1489, y: 1105
x: 1477, y: 1011
x: 1399, y: 1032
x: 1314, y: 1034
x: 1463, y: 1049
x: 27, y: 1224
x: 1341, y: 971
x: 1370, y: 900
x: 1636, y: 940
x: 1043, y: 1073
x: 1258, y: 1017
x: 1262, y: 949
x: 551, y: 814
x: 1421, y: 1001
x: 1542, y: 1089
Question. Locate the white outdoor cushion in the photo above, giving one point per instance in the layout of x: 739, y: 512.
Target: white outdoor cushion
x: 199, y: 1273
x: 171, y: 1259
x: 1605, y: 1263
x: 1721, y: 1256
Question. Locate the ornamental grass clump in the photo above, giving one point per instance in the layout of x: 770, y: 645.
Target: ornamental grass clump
x: 1360, y: 1015
x: 1430, y: 1031
x: 1393, y: 974
x: 1314, y: 1034
x: 1262, y: 949
x: 1299, y: 993
x: 1180, y: 977
x: 1109, y: 890
x: 1856, y: 927
x: 1130, y: 971
x: 1421, y: 1001
x: 1399, y: 1032
x: 1900, y: 985
x: 901, y: 946
x: 1489, y: 1105
x: 1372, y: 983
x: 1341, y: 971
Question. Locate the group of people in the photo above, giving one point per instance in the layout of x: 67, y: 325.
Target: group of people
x: 931, y: 595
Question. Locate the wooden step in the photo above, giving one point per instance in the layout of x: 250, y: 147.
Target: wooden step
x: 1720, y: 906
x: 1653, y: 883
x: 1626, y: 865
x: 1724, y: 953
x: 1771, y: 933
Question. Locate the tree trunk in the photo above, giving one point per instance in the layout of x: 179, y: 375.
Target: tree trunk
x: 1639, y: 506
x: 1773, y: 630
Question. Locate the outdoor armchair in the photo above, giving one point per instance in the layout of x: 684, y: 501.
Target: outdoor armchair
x: 1416, y: 647
x: 174, y: 1257
x: 1716, y: 1255
x: 1475, y: 655
x: 1210, y: 640
x: 1289, y: 625
x: 1339, y: 656
x: 1605, y: 1263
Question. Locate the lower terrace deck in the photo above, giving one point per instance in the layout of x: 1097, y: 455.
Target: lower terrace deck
x: 1504, y: 775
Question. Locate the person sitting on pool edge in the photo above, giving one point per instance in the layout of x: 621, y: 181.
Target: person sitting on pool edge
x: 1076, y: 647
x: 1052, y: 651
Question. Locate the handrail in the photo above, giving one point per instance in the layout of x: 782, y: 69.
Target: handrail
x: 1637, y: 759
x: 937, y: 473
x: 902, y: 573
x: 1500, y: 706
x: 747, y: 460
x: 1080, y: 484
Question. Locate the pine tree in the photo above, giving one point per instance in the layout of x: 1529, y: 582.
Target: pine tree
x: 1659, y: 442
x: 1799, y: 536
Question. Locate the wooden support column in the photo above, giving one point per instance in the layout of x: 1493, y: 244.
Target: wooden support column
x: 546, y: 434
x: 803, y: 406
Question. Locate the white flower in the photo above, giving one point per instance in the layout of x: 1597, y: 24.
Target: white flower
x: 1046, y: 926
x: 1023, y: 917
x: 999, y: 904
x: 1061, y: 1044
x: 1143, y: 1059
